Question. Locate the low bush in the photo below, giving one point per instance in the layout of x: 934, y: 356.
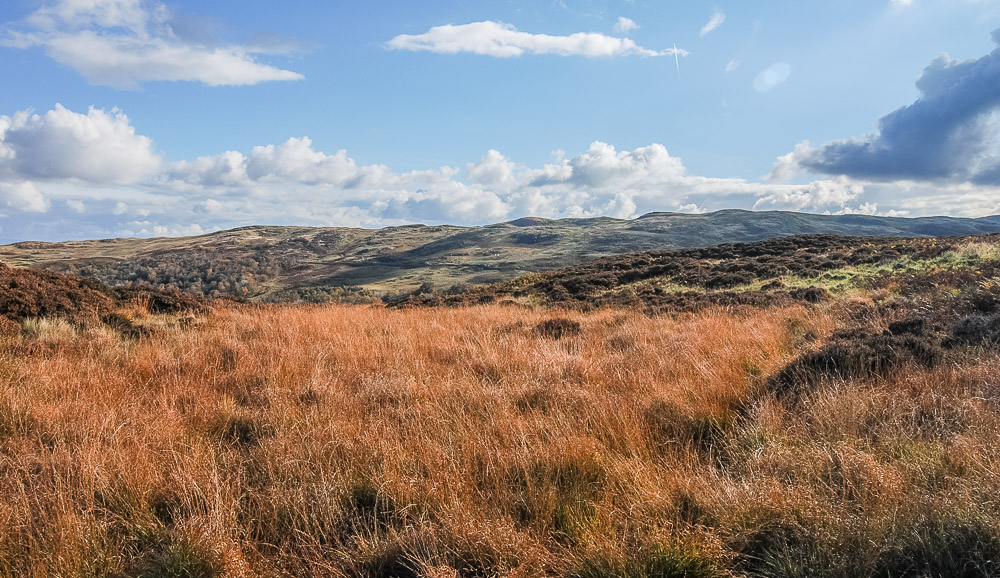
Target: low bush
x: 975, y: 331
x: 237, y: 430
x: 557, y: 328
x: 855, y: 356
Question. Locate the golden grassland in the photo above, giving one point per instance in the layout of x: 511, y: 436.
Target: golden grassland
x: 365, y: 441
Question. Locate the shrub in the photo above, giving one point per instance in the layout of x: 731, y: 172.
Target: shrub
x: 915, y: 326
x: 810, y: 294
x: 557, y: 328
x: 855, y: 356
x: 240, y: 430
x: 160, y: 301
x: 668, y: 424
x: 975, y: 330
x: 9, y: 327
x: 25, y: 293
x: 124, y: 326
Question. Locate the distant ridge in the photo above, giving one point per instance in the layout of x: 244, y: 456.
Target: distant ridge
x: 319, y: 263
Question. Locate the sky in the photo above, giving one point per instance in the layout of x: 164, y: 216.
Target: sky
x: 123, y: 118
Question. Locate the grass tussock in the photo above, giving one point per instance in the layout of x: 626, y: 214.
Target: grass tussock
x: 496, y: 441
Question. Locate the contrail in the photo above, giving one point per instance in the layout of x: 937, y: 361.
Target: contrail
x: 677, y: 59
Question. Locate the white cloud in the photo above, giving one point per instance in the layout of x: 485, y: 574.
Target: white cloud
x: 732, y: 65
x: 212, y: 206
x: 502, y: 40
x: 900, y: 2
x: 787, y: 165
x: 97, y: 147
x: 23, y: 196
x: 493, y: 170
x: 691, y: 208
x: 302, y: 184
x: 295, y: 183
x: 718, y: 17
x: 123, y: 43
x: 603, y: 166
x: 625, y: 25
x: 816, y: 196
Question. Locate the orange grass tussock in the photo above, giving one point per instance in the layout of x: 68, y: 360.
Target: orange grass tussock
x: 484, y: 441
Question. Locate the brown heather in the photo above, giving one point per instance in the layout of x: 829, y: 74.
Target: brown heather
x: 364, y: 441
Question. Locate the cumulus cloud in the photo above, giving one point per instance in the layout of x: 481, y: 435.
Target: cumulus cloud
x: 625, y: 25
x: 493, y: 170
x: 23, y: 196
x: 603, y: 166
x: 97, y: 147
x: 950, y: 134
x: 718, y: 17
x: 503, y: 40
x: 818, y: 195
x: 295, y: 179
x: 97, y: 163
x: 123, y: 43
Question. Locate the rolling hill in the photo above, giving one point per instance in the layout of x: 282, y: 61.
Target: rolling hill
x: 272, y: 263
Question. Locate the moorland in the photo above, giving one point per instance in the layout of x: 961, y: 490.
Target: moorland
x: 803, y: 406
x: 317, y: 264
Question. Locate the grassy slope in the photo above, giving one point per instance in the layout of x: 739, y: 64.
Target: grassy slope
x: 276, y: 262
x: 365, y: 441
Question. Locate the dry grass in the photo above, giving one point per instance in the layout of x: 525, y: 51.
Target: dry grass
x: 360, y: 441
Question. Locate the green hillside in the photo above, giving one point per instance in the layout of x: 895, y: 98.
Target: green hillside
x: 319, y: 264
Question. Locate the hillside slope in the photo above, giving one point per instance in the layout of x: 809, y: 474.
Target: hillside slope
x: 317, y: 264
x: 783, y: 270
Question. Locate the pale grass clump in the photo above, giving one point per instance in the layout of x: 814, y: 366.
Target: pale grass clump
x: 978, y: 250
x: 362, y: 441
x: 48, y: 329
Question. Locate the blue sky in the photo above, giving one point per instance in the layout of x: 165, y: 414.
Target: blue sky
x: 140, y: 118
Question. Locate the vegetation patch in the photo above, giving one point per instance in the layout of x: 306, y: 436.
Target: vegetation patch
x: 182, y: 559
x: 855, y: 356
x: 672, y: 560
x: 943, y: 548
x: 378, y: 441
x: 557, y: 328
x: 784, y: 549
x: 975, y: 331
x: 241, y: 430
